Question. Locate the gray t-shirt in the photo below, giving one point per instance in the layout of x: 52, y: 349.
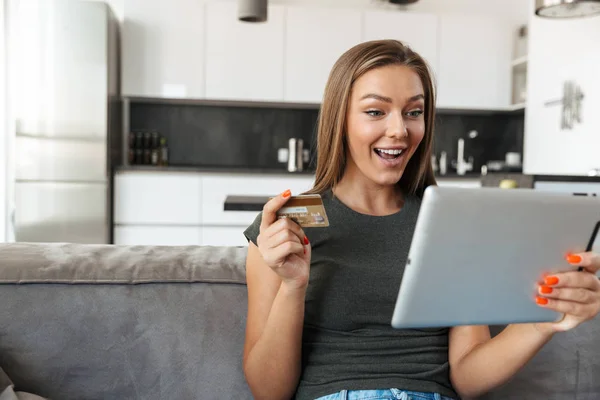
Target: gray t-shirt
x: 348, y: 341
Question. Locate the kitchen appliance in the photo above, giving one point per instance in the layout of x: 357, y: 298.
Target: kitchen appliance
x: 67, y: 120
x: 567, y: 8
x: 295, y: 155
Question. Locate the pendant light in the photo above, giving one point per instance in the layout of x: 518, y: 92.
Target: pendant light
x: 252, y: 10
x: 567, y: 8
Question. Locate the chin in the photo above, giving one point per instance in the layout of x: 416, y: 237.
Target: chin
x: 388, y: 178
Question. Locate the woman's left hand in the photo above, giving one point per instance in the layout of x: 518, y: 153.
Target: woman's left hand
x: 574, y: 293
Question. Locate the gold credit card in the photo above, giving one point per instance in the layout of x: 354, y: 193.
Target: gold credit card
x: 306, y: 210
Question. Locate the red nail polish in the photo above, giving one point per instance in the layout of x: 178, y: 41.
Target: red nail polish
x: 574, y: 259
x: 541, y: 300
x: 546, y: 289
x: 551, y: 280
x: 287, y: 193
x: 305, y: 240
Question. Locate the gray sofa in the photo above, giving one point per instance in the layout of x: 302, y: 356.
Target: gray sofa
x: 145, y: 322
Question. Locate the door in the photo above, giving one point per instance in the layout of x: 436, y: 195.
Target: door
x: 562, y: 123
x: 475, y: 62
x: 244, y: 61
x: 314, y: 39
x: 163, y: 48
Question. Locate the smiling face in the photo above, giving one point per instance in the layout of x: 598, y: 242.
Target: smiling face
x: 385, y: 124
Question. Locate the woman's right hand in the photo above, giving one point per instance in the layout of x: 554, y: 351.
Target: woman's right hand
x: 283, y: 245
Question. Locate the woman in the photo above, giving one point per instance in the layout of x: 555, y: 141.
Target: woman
x: 319, y: 307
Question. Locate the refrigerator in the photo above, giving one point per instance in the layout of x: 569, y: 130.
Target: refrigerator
x: 67, y: 120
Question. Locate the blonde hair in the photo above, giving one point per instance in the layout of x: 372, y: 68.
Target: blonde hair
x: 331, y: 138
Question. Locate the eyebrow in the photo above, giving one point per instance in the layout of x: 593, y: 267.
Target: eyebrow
x: 387, y: 99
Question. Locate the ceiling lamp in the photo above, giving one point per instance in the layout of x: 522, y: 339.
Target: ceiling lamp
x: 252, y: 10
x: 567, y: 8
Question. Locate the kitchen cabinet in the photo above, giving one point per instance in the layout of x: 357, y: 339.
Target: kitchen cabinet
x: 474, y: 62
x: 549, y: 148
x: 162, y: 48
x: 132, y: 235
x: 418, y: 30
x: 216, y: 188
x: 244, y: 61
x: 314, y: 39
x: 157, y: 198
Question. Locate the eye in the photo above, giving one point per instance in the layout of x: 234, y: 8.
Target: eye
x: 374, y: 113
x: 415, y: 113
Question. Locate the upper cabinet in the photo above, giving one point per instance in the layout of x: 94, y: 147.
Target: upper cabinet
x: 475, y: 62
x: 419, y: 31
x: 314, y: 39
x: 562, y: 123
x: 244, y: 61
x: 162, y: 48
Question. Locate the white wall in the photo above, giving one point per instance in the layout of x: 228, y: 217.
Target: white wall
x: 3, y: 124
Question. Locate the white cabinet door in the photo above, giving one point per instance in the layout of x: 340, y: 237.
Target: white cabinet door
x: 165, y: 198
x: 314, y: 39
x: 162, y: 42
x: 244, y: 61
x: 549, y: 149
x: 223, y: 236
x: 216, y: 188
x: 157, y: 235
x: 419, y: 31
x: 475, y: 62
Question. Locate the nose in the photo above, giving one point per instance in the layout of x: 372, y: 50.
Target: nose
x: 397, y: 126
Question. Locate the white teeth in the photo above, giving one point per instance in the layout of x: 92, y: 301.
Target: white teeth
x: 392, y: 152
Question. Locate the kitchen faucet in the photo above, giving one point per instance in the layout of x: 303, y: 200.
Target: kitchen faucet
x: 462, y: 166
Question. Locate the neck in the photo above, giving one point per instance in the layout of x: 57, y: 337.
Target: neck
x: 366, y: 197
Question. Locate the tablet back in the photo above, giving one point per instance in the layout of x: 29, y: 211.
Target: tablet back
x: 477, y: 254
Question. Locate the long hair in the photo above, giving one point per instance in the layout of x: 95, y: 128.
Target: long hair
x: 331, y: 134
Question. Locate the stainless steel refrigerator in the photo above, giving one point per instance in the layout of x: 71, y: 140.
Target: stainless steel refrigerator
x: 67, y: 113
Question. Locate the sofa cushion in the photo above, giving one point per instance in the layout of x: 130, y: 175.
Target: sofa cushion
x: 99, y: 321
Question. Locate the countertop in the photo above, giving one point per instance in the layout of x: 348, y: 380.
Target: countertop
x: 236, y: 170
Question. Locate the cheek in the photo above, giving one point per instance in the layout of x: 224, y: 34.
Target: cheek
x: 417, y: 131
x: 362, y: 134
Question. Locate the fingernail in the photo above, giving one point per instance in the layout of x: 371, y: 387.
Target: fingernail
x: 551, y: 280
x: 545, y: 289
x: 287, y: 193
x: 305, y: 240
x: 574, y: 259
x: 541, y: 300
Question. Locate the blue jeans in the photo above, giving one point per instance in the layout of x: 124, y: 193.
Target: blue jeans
x: 383, y: 394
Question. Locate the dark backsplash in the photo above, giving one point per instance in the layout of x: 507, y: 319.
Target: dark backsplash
x: 249, y: 137
x: 221, y: 136
x: 497, y: 134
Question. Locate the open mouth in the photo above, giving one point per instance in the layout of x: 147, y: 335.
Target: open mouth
x: 389, y: 154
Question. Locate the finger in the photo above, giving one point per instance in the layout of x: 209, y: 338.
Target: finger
x: 281, y: 237
x: 573, y: 279
x: 269, y: 213
x: 285, y: 249
x: 588, y: 260
x: 285, y: 224
x: 566, y: 307
x: 576, y: 295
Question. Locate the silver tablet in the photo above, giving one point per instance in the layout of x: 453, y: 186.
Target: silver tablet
x: 477, y: 254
